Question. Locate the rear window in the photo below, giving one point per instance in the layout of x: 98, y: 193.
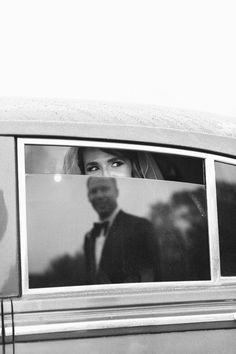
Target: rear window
x: 226, y: 204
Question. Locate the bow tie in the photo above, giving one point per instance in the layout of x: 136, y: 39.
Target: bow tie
x: 98, y: 227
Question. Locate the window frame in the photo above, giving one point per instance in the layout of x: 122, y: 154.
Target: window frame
x: 133, y: 293
x: 229, y: 161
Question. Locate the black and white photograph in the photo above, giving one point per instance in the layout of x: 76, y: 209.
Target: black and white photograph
x: 118, y: 177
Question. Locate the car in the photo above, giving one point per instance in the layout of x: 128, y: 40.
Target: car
x: 171, y: 289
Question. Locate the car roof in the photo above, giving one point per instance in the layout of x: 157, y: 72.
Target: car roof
x: 118, y: 122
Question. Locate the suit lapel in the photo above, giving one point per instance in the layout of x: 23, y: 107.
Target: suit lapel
x: 113, y: 247
x: 91, y: 257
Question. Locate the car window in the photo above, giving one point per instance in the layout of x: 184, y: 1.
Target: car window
x: 226, y: 204
x: 157, y: 230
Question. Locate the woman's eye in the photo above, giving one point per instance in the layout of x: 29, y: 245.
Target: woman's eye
x: 117, y: 163
x: 91, y: 168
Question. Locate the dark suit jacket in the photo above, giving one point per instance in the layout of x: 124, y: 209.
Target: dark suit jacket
x: 130, y: 252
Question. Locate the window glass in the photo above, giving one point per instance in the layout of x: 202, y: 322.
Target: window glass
x: 90, y: 225
x: 226, y: 204
x: 77, y: 160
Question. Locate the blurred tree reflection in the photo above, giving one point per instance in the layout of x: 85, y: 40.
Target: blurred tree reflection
x: 181, y: 228
x: 66, y: 270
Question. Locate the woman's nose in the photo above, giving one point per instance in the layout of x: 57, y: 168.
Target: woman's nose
x: 106, y: 172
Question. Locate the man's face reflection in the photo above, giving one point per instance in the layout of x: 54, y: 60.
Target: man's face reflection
x: 102, y: 194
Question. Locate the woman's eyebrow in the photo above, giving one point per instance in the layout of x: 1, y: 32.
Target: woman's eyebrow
x: 91, y: 163
x: 115, y: 158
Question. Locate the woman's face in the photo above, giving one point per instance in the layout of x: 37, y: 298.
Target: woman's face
x: 101, y: 163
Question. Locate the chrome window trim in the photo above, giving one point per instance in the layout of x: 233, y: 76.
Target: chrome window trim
x: 114, y: 145
x: 22, y: 217
x: 212, y: 217
x: 116, y: 324
x: 229, y: 161
x: 114, y: 290
x: 224, y: 159
x: 71, y: 322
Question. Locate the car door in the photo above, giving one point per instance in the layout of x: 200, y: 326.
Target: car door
x: 9, y: 260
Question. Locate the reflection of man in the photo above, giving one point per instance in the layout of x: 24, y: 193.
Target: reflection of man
x: 121, y: 247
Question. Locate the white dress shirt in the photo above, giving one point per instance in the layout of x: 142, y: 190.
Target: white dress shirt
x: 100, y: 240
